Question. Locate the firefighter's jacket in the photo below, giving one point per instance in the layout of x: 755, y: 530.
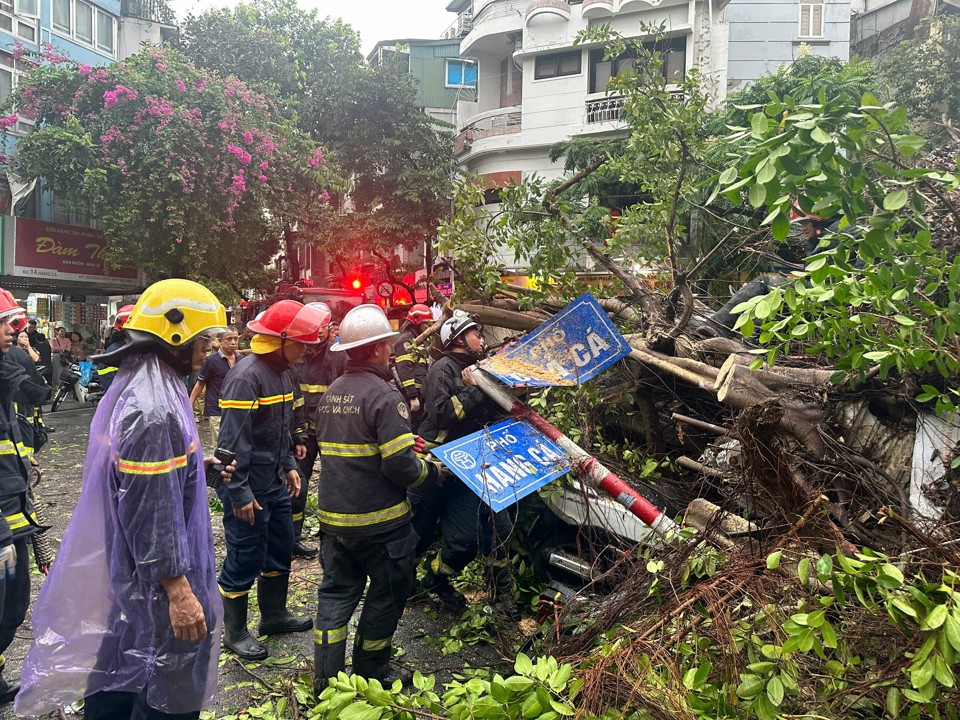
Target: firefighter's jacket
x: 368, y: 460
x: 256, y: 419
x: 15, y: 508
x: 453, y: 408
x: 411, y: 368
x: 312, y: 377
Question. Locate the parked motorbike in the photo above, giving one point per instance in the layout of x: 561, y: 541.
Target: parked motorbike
x: 72, y: 381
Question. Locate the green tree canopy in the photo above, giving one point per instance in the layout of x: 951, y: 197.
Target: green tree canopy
x: 399, y: 161
x: 192, y: 174
x: 923, y: 74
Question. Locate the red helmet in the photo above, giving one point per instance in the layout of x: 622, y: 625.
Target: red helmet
x: 290, y: 320
x: 419, y: 313
x: 12, y: 311
x: 122, y: 314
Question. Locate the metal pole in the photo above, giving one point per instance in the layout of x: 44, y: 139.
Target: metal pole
x: 595, y: 472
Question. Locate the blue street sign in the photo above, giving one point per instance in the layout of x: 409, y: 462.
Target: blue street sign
x: 575, y: 345
x: 504, y: 462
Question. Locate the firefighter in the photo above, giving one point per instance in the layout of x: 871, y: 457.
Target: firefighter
x: 369, y: 460
x: 411, y: 369
x: 319, y: 368
x: 116, y: 340
x: 16, y: 523
x: 129, y: 618
x: 455, y: 407
x: 256, y: 423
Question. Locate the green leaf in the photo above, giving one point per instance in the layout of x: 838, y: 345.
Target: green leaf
x: 904, y: 607
x: 892, y: 571
x: 951, y: 626
x: 758, y: 193
x: 803, y: 570
x: 775, y: 690
x: 893, y: 702
x: 819, y: 136
x: 824, y: 566
x: 773, y: 560
x: 895, y: 200
x: 750, y: 686
x: 780, y: 227
x: 758, y: 124
x: 921, y: 675
x: 727, y: 176
x: 766, y: 173
x: 523, y: 665
x: 942, y: 673
x: 531, y: 706
x: 829, y: 635
x: 935, y: 618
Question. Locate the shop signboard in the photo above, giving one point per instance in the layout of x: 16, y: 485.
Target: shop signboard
x: 50, y: 251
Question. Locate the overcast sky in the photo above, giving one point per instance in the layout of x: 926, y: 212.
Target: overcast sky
x: 374, y: 19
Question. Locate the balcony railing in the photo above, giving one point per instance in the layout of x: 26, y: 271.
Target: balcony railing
x: 153, y: 10
x: 501, y: 123
x: 609, y: 109
x: 500, y: 9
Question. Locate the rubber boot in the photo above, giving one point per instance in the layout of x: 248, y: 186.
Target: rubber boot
x: 299, y: 549
x: 236, y: 636
x: 8, y: 690
x: 502, y: 595
x: 375, y: 664
x: 275, y: 619
x: 329, y: 660
x: 440, y: 586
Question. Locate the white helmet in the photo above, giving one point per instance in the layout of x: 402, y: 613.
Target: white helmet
x: 363, y: 325
x: 456, y: 326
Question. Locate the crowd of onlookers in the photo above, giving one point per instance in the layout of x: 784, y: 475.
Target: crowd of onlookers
x: 48, y: 353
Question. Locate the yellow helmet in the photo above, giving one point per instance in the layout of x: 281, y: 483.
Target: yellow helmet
x: 176, y: 311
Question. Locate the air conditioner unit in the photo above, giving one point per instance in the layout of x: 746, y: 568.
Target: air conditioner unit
x: 464, y: 23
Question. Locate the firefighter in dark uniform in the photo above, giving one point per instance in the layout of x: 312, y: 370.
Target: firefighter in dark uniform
x: 256, y: 423
x: 455, y: 407
x: 312, y: 377
x: 412, y: 367
x: 17, y: 523
x: 369, y: 460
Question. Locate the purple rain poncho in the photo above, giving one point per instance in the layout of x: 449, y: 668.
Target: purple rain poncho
x: 101, y: 621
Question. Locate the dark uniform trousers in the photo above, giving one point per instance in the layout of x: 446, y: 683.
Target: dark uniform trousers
x: 388, y: 560
x: 467, y: 526
x: 122, y: 705
x: 306, y: 467
x: 15, y: 596
x: 263, y: 548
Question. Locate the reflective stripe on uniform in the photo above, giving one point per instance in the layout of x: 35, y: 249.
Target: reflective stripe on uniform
x: 363, y: 519
x: 304, y: 387
x: 349, y: 449
x: 439, y: 567
x: 156, y: 467
x: 7, y: 448
x: 399, y: 443
x: 431, y: 444
x: 410, y: 383
x: 271, y: 573
x: 298, y: 402
x: 229, y: 594
x: 458, y: 407
x: 276, y: 399
x: 330, y: 637
x: 424, y: 471
x: 107, y: 370
x: 374, y: 645
x: 238, y: 404
x: 18, y: 520
x: 297, y: 517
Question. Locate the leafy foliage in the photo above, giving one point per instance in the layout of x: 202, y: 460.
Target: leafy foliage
x: 192, y: 174
x: 921, y: 74
x: 879, y: 291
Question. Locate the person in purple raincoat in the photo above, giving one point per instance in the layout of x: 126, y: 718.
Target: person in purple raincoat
x: 130, y: 617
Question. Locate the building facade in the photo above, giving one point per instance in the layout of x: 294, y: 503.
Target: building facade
x: 536, y: 87
x: 444, y: 79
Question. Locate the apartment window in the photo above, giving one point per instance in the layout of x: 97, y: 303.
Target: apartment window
x: 6, y: 77
x: 557, y: 65
x: 673, y: 52
x: 20, y: 18
x: 811, y: 18
x: 86, y: 24
x: 461, y: 74
x: 61, y: 15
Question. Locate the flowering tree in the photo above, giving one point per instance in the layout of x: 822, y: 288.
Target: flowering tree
x: 192, y: 174
x: 400, y: 162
